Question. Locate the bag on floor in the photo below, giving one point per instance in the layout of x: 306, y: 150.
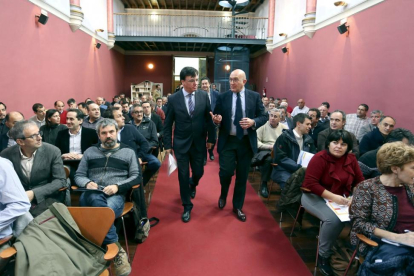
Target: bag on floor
x: 342, y: 253
x: 143, y: 229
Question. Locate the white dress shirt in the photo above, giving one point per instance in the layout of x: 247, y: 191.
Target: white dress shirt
x: 186, y: 98
x: 75, y: 142
x: 233, y: 111
x: 27, y: 163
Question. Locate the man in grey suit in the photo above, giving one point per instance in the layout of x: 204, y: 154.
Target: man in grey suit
x: 38, y: 165
x: 239, y: 112
x: 190, y: 109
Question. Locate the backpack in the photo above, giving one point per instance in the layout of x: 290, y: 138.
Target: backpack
x: 342, y: 253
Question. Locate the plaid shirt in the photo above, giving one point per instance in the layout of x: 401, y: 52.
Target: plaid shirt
x: 354, y: 124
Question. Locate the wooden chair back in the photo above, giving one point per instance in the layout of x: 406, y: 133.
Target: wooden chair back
x: 93, y: 222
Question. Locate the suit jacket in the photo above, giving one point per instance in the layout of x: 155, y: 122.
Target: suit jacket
x: 188, y: 130
x: 47, y: 175
x: 4, y: 139
x: 88, y: 138
x: 254, y: 110
x: 213, y: 95
x: 157, y: 121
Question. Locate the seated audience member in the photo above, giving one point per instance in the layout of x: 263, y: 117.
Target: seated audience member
x: 397, y: 135
x: 355, y: 121
x: 39, y: 117
x: 289, y: 109
x: 271, y: 100
x: 375, y: 118
x: 285, y: 105
x: 265, y: 102
x: 382, y: 208
x: 284, y: 120
x: 101, y: 103
x: 376, y: 138
x: 11, y: 119
x: 82, y: 108
x: 38, y: 165
x: 266, y: 138
x: 300, y: 108
x: 72, y: 103
x: 73, y: 142
x: 88, y: 100
x: 3, y: 113
x: 129, y: 135
x: 14, y: 205
x: 331, y: 174
x: 52, y: 127
x: 94, y: 116
x: 149, y: 114
x: 121, y: 96
x: 324, y: 119
x: 271, y: 106
x: 112, y: 170
x: 144, y: 99
x: 337, y: 122
x: 115, y: 100
x: 316, y: 127
x: 288, y: 146
x: 158, y: 111
x: 60, y: 106
x: 164, y: 104
x: 278, y: 102
x: 125, y: 111
x: 145, y: 126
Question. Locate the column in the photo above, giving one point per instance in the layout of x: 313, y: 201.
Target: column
x: 110, y: 14
x: 271, y: 22
x: 76, y: 15
x: 308, y: 23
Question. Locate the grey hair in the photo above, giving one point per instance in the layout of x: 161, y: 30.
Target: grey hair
x: 16, y: 132
x: 104, y: 123
x: 377, y: 112
x: 343, y: 114
x: 275, y: 110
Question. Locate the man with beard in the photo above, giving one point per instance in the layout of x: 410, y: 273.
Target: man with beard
x: 109, y: 171
x: 3, y: 113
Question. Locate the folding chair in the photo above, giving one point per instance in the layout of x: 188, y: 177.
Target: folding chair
x: 364, y: 239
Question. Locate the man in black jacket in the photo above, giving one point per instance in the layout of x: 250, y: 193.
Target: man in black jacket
x: 190, y: 110
x: 144, y: 125
x: 146, y: 106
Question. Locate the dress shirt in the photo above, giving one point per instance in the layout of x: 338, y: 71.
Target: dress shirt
x: 119, y: 134
x: 354, y: 123
x: 14, y: 201
x: 75, y: 142
x: 233, y: 111
x: 27, y: 163
x: 297, y: 110
x: 36, y: 120
x: 209, y: 96
x: 284, y: 123
x: 186, y: 98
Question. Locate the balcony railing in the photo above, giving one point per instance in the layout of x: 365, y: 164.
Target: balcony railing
x: 245, y: 27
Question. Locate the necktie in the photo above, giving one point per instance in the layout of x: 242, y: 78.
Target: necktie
x: 190, y: 104
x: 238, y: 116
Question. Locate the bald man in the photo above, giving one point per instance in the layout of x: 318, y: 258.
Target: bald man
x: 10, y: 120
x: 238, y: 112
x: 300, y: 108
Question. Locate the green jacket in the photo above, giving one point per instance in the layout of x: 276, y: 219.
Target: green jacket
x: 52, y: 244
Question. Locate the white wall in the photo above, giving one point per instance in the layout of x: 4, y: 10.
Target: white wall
x: 325, y: 9
x: 61, y: 5
x: 95, y: 16
x: 288, y: 18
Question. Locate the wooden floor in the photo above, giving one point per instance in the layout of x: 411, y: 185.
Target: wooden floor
x: 303, y: 240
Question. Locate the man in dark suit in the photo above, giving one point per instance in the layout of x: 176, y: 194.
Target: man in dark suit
x: 75, y: 141
x: 146, y: 107
x: 212, y: 95
x: 38, y: 165
x: 10, y: 120
x: 190, y: 109
x: 239, y: 113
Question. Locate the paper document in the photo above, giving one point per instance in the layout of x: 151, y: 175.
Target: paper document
x: 304, y: 158
x: 172, y: 164
x: 395, y: 243
x: 341, y: 211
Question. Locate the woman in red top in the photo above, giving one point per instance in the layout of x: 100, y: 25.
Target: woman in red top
x: 330, y: 175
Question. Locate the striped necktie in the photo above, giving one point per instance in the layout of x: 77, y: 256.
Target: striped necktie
x: 190, y: 104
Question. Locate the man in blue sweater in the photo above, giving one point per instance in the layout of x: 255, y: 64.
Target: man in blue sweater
x: 109, y: 171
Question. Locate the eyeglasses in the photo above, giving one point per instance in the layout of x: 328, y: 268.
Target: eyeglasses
x: 235, y: 80
x: 138, y: 112
x: 34, y: 136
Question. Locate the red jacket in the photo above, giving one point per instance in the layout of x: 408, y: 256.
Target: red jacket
x: 321, y: 174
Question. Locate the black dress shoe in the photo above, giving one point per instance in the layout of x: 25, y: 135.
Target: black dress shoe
x: 264, y: 192
x: 192, y: 191
x: 221, y: 203
x: 240, y: 215
x: 212, y: 157
x: 186, y: 216
x: 324, y: 266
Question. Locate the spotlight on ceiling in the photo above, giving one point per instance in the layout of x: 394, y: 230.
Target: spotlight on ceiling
x: 340, y: 3
x: 98, y: 45
x: 343, y: 28
x: 285, y: 50
x: 233, y: 3
x: 42, y: 18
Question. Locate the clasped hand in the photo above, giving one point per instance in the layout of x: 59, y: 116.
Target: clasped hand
x: 71, y: 156
x: 109, y: 190
x: 245, y: 123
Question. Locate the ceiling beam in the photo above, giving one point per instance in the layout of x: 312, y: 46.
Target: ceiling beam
x: 194, y: 47
x: 179, y: 4
x: 146, y: 44
x: 172, y: 46
x: 186, y: 4
x: 201, y: 47
x: 126, y: 4
x: 209, y: 46
x: 149, y: 2
x: 208, y: 5
x: 143, y: 5
x: 201, y: 3
x: 158, y: 4
x: 172, y: 4
x: 165, y: 4
x: 155, y: 45
x: 253, y: 9
x: 140, y: 46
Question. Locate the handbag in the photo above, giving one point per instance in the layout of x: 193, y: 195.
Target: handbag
x: 342, y: 253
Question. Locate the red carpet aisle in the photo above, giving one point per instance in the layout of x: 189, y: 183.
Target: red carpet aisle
x: 214, y: 242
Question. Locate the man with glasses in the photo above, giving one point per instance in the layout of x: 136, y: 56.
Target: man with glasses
x: 144, y: 125
x: 375, y: 119
x: 189, y: 109
x: 38, y: 165
x: 239, y: 112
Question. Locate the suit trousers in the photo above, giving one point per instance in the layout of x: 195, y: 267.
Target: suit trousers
x: 236, y: 155
x: 195, y: 159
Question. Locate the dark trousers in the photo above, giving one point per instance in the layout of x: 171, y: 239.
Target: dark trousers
x: 266, y: 168
x: 152, y: 167
x: 195, y: 159
x: 236, y: 155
